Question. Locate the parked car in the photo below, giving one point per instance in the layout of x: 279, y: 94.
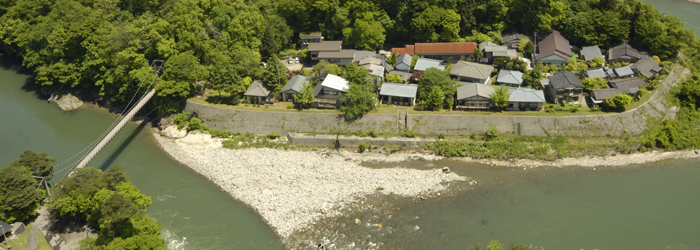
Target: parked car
x: 296, y: 60
x: 291, y: 60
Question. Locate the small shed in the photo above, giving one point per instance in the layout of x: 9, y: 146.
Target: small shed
x: 403, y: 63
x: 258, y: 93
x: 398, y: 94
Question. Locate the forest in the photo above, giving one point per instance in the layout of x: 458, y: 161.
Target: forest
x: 105, y: 46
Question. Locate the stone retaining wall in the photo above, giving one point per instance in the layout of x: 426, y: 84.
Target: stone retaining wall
x: 262, y: 122
x: 345, y: 141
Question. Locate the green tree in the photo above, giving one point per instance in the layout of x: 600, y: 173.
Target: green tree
x: 522, y: 44
x: 367, y: 32
x: 436, y: 24
x: 414, y: 59
x: 393, y: 78
x: 529, y: 49
x: 532, y: 77
x: 594, y: 83
x: 276, y: 74
x: 500, y: 97
x: 323, y: 68
x: 577, y: 66
x: 359, y: 99
x: 305, y: 97
x: 19, y: 198
x: 39, y: 163
x: 115, y: 211
x: 435, y: 99
x: 596, y: 62
x: 478, y: 54
x: 619, y: 101
x: 392, y: 59
x: 436, y: 78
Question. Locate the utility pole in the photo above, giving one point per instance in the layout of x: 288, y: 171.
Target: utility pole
x: 534, y: 52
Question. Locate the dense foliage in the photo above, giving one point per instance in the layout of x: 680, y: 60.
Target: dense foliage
x: 108, y: 201
x: 361, y: 97
x: 18, y: 197
x: 40, y: 164
x: 431, y: 79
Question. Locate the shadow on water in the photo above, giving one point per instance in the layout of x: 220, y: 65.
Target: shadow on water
x: 123, y: 146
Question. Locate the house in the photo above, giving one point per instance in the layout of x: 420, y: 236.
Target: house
x: 628, y: 86
x: 474, y: 96
x: 258, y: 93
x: 362, y: 54
x: 440, y: 51
x: 492, y: 50
x: 525, y: 99
x: 306, y: 38
x: 424, y: 64
x: 328, y: 92
x: 565, y: 86
x: 554, y: 49
x: 375, y: 70
x: 403, y: 63
x: 513, y: 40
x: 599, y: 95
x: 647, y: 67
x: 590, y: 52
x: 293, y: 87
x: 511, y: 78
x: 405, y: 76
x: 471, y: 72
x: 625, y: 53
x: 398, y: 94
x: 624, y: 71
x: 610, y: 72
x: 596, y: 72
x: 324, y: 46
x: 341, y: 57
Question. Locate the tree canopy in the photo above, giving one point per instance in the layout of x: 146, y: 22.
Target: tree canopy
x: 436, y: 78
x: 39, y: 163
x: 360, y: 98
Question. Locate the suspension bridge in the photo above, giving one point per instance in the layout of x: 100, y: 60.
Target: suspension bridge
x: 90, y: 151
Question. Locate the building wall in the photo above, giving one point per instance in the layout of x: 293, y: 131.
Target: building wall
x: 553, y: 59
x: 288, y: 96
x: 338, y: 61
x: 402, y: 67
x: 455, y: 57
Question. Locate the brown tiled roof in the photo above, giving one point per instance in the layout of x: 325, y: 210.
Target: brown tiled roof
x: 398, y: 51
x: 344, y: 54
x: 554, y: 44
x: 445, y: 48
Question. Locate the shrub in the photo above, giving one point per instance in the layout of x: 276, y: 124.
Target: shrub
x: 441, y: 136
x: 373, y: 133
x: 195, y: 124
x: 363, y: 147
x: 180, y: 119
x: 220, y: 133
x: 273, y: 136
x: 491, y: 133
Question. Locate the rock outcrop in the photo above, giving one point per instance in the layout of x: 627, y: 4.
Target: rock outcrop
x: 66, y: 102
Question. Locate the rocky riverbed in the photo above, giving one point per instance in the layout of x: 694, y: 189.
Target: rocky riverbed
x: 292, y: 189
x: 609, y: 161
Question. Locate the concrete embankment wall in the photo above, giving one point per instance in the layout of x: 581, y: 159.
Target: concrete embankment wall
x: 320, y: 140
x: 262, y: 122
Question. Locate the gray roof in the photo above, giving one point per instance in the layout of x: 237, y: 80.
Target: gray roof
x: 564, y: 80
x: 257, y: 88
x: 525, y: 95
x: 600, y: 94
x: 593, y: 73
x: 405, y: 58
x: 625, y: 49
x: 590, y: 52
x: 296, y: 84
x: 510, y: 77
x: 399, y: 90
x: 470, y: 89
x: 424, y: 64
x: 610, y: 72
x: 647, y: 67
x: 343, y: 53
x: 624, y: 71
x: 628, y: 85
x: 486, y: 44
x: 375, y: 70
x: 511, y: 37
x: 472, y: 70
x: 554, y: 44
x: 326, y: 46
x: 405, y: 76
x: 362, y: 54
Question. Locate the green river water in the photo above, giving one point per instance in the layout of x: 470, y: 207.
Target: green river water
x: 655, y: 206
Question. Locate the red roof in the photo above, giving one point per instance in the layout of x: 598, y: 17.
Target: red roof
x: 445, y: 48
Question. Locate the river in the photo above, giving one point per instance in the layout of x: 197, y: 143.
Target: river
x: 640, y: 207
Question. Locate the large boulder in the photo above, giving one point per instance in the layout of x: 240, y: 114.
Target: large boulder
x: 66, y: 102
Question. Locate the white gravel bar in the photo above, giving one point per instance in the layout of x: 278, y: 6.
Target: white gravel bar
x: 292, y: 189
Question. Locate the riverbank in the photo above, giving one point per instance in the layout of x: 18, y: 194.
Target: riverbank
x: 591, y: 162
x: 292, y: 189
